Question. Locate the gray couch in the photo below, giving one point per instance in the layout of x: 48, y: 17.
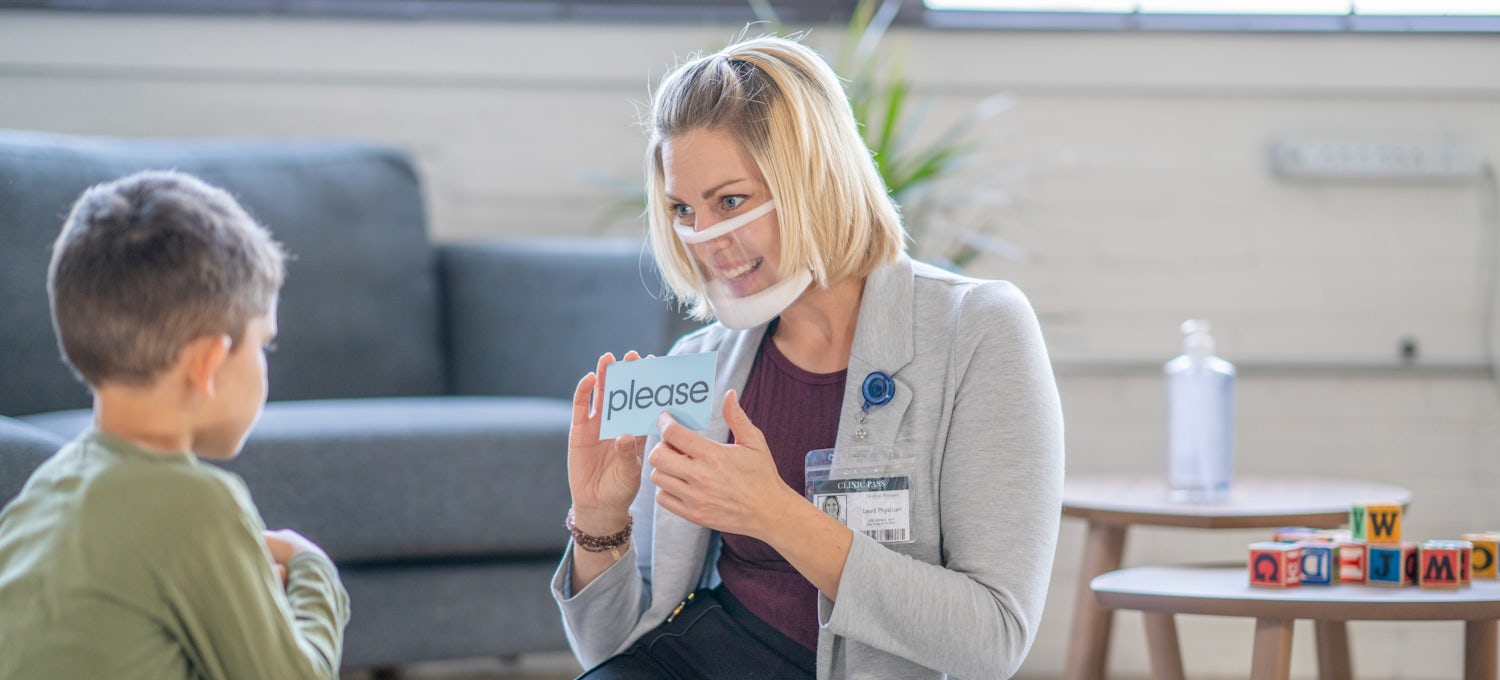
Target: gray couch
x: 419, y: 395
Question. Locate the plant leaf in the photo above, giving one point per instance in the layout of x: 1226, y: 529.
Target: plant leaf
x: 895, y: 101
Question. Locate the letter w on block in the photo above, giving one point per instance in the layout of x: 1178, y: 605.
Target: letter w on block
x: 1376, y: 522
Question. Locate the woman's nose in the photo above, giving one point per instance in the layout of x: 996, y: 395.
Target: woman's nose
x: 704, y: 222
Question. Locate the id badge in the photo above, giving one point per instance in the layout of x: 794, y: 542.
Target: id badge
x: 867, y: 488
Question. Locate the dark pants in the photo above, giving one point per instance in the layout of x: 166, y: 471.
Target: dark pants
x: 711, y: 636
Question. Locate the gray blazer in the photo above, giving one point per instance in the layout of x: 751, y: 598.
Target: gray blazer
x: 977, y: 407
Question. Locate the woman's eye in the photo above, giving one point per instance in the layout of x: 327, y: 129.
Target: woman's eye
x: 732, y: 202
x: 269, y: 348
x: 681, y: 210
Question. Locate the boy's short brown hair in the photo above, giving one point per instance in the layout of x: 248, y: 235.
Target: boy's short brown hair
x: 147, y: 263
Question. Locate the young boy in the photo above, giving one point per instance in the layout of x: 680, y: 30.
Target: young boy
x: 124, y: 557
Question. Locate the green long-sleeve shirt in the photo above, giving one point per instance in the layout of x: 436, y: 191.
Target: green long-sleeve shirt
x: 120, y: 563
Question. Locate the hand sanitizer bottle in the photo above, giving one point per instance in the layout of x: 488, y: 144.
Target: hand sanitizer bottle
x: 1200, y: 419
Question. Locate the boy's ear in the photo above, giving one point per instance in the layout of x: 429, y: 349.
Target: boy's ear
x: 203, y: 357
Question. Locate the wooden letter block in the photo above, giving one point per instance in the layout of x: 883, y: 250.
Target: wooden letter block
x: 1441, y: 565
x: 1275, y: 565
x: 1334, y: 535
x: 1486, y: 548
x: 1320, y: 563
x: 1391, y: 564
x: 1353, y: 562
x: 1465, y: 552
x: 1294, y: 534
x: 1375, y: 522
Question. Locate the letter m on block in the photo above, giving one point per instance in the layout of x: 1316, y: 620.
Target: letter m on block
x: 1439, y: 569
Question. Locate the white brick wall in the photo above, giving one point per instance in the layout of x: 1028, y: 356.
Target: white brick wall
x: 1167, y: 210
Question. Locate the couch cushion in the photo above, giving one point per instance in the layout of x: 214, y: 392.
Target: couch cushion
x: 359, y: 314
x: 22, y: 448
x: 606, y: 292
x: 380, y: 479
x: 467, y: 609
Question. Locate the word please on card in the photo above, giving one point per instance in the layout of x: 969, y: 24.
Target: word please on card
x: 636, y: 393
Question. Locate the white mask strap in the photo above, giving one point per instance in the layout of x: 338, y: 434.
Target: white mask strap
x: 691, y: 237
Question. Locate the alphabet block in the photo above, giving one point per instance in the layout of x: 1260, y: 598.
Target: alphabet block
x: 1354, y: 562
x: 1465, y: 560
x: 1275, y: 565
x: 1443, y: 564
x: 1334, y: 535
x: 1486, y: 549
x: 1294, y: 534
x: 1319, y: 563
x: 1391, y: 564
x: 1375, y: 522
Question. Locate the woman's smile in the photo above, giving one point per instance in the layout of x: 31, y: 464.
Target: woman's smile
x: 737, y: 272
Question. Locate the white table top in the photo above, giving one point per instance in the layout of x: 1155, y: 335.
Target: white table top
x: 1226, y: 591
x: 1253, y: 501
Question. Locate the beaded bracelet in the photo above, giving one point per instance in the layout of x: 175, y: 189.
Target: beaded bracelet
x: 598, y: 544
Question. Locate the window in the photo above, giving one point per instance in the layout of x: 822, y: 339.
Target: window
x: 542, y: 10
x: 1270, y: 15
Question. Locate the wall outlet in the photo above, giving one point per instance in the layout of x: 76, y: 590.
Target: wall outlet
x: 1430, y: 159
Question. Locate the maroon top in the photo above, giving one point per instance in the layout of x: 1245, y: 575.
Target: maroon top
x: 799, y: 412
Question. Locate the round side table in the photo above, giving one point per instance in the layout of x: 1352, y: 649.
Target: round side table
x: 1161, y: 592
x: 1112, y: 503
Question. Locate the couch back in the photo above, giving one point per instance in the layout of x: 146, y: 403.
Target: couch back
x: 359, y: 314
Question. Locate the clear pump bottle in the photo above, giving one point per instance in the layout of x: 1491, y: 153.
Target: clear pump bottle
x: 1200, y: 419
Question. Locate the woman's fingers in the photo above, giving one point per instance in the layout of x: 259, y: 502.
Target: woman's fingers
x: 628, y: 447
x: 631, y: 447
x: 678, y: 436
x: 673, y: 504
x: 581, y: 398
x: 670, y: 484
x: 604, y: 362
x: 745, y: 432
x: 602, y: 370
x: 586, y: 423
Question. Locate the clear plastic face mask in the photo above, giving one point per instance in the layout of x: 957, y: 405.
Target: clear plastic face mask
x: 744, y: 287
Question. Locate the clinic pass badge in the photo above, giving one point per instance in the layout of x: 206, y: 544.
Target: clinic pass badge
x: 878, y: 507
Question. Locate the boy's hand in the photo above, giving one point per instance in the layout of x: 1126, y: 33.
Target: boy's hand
x: 285, y: 543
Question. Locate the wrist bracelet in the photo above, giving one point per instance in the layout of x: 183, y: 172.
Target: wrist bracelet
x: 598, y: 544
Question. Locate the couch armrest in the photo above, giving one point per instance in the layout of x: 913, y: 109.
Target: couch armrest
x: 530, y: 317
x: 22, y: 449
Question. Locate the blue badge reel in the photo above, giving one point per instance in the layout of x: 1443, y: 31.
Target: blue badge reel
x: 867, y: 488
x: 877, y: 390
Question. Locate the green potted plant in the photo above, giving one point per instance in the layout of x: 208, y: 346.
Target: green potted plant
x: 952, y: 216
x: 952, y: 213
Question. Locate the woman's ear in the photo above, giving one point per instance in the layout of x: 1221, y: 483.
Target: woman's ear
x: 201, y: 360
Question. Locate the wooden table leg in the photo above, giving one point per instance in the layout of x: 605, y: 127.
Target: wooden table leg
x: 1161, y: 640
x: 1272, y: 658
x: 1089, y: 645
x: 1480, y: 659
x: 1333, y: 650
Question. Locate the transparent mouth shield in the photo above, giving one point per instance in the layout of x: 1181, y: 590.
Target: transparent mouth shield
x: 743, y: 283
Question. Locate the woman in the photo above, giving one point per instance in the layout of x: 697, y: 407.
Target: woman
x: 702, y: 558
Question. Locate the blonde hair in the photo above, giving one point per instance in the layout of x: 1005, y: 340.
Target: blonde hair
x: 786, y: 106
